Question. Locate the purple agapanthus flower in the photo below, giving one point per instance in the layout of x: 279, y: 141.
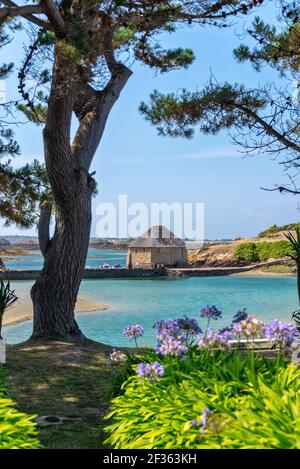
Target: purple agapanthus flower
x: 189, y: 325
x: 195, y: 423
x: 214, y: 340
x: 225, y: 329
x: 153, y: 371
x: 240, y: 316
x: 225, y: 335
x: 117, y: 356
x: 280, y: 333
x: 210, y: 312
x: 133, y: 331
x: 167, y: 326
x: 205, y: 413
x: 171, y: 345
x: 250, y: 327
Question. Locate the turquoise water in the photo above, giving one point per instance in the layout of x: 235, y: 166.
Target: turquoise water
x: 95, y: 258
x: 146, y: 301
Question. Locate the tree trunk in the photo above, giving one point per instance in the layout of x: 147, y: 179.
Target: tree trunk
x: 44, y: 226
x: 55, y: 292
x: 1, y: 320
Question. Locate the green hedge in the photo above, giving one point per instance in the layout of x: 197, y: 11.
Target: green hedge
x: 254, y: 252
x: 253, y: 403
x: 246, y: 252
x: 17, y: 430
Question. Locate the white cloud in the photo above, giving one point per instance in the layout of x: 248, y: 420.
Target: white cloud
x: 215, y: 152
x: 205, y: 154
x: 264, y: 216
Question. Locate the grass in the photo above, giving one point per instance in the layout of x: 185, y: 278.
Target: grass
x: 279, y: 269
x: 62, y: 380
x: 274, y: 229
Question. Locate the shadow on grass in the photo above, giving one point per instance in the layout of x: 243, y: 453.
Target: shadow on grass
x: 63, y: 380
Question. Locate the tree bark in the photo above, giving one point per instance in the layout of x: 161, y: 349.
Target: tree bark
x: 44, y: 226
x: 55, y: 292
x: 1, y: 320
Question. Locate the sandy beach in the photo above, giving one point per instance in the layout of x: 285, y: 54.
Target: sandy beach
x: 261, y: 273
x: 23, y: 311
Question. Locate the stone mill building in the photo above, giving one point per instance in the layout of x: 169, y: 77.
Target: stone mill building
x: 158, y: 247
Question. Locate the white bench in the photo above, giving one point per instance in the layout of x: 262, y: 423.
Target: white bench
x: 2, y: 351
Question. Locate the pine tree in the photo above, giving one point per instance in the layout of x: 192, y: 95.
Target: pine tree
x: 88, y: 43
x: 265, y: 120
x: 22, y: 189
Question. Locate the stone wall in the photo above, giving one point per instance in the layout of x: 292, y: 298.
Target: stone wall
x: 170, y: 256
x: 140, y: 258
x: 88, y: 274
x: 141, y: 273
x: 147, y: 257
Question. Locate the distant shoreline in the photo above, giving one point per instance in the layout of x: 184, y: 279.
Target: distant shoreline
x: 24, y: 249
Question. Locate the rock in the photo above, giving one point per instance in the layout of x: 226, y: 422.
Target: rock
x: 176, y: 274
x: 52, y: 420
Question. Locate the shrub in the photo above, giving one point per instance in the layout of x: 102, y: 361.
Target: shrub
x: 269, y: 232
x: 17, y: 430
x: 199, y: 390
x: 279, y: 269
x: 274, y: 229
x: 246, y: 252
x: 253, y: 252
x: 213, y: 399
x: 275, y: 250
x: 7, y: 299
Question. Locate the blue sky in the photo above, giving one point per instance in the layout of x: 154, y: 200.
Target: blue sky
x: 132, y: 159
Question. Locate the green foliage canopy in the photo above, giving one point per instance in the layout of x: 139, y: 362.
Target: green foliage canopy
x: 265, y: 119
x: 21, y: 189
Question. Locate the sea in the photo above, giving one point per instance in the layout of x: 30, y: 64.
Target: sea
x: 146, y: 301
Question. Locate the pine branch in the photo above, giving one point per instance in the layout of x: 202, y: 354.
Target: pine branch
x: 12, y: 11
x: 269, y: 129
x: 30, y: 17
x: 54, y: 16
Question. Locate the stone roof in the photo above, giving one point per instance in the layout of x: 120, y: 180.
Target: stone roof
x: 157, y: 237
